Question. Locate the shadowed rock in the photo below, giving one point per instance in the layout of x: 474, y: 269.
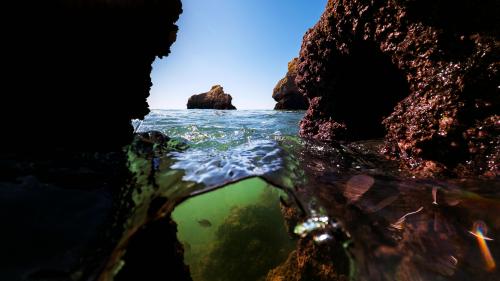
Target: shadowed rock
x: 153, y: 248
x: 213, y: 99
x: 286, y: 92
x: 422, y: 74
x: 86, y: 63
x: 75, y: 73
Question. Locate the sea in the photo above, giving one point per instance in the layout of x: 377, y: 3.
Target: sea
x: 254, y: 201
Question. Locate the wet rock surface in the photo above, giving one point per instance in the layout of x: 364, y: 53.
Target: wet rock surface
x: 213, y: 99
x: 424, y: 79
x: 310, y: 261
x: 141, y: 238
x: 71, y: 214
x: 286, y: 93
x: 396, y: 227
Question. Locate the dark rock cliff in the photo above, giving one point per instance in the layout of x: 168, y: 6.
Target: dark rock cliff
x: 213, y: 99
x: 286, y: 93
x: 76, y: 72
x: 422, y: 74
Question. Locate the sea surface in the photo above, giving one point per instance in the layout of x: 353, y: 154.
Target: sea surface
x: 238, y: 175
x: 225, y: 145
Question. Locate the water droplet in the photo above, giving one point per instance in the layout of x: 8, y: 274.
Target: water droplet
x: 322, y: 237
x: 310, y: 225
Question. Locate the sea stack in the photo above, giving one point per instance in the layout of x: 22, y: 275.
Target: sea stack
x: 286, y: 93
x: 213, y: 99
x: 423, y: 75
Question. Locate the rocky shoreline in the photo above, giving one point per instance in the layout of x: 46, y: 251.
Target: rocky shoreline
x: 423, y: 76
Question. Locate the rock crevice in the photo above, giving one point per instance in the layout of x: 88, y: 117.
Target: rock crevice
x: 393, y: 69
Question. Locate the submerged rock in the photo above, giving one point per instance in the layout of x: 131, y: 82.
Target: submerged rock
x: 154, y: 253
x: 310, y: 261
x: 213, y: 99
x: 251, y: 241
x: 286, y: 92
x: 423, y: 75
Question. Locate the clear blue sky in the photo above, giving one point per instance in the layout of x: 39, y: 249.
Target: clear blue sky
x: 243, y: 45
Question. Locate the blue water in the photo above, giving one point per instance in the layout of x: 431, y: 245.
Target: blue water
x: 225, y: 145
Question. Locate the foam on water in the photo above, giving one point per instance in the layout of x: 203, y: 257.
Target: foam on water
x: 225, y: 145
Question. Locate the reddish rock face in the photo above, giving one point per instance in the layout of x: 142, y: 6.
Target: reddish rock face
x: 286, y: 92
x: 213, y: 99
x: 424, y: 75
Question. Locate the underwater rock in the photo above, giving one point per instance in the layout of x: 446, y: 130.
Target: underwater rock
x: 286, y: 92
x: 422, y: 74
x: 64, y: 199
x: 310, y: 261
x: 140, y: 223
x: 213, y: 99
x: 248, y: 244
x: 154, y: 253
x: 155, y: 142
x: 91, y: 70
x: 153, y: 137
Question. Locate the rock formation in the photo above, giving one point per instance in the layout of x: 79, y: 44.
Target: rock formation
x: 255, y: 239
x: 310, y: 261
x: 422, y: 74
x: 213, y: 99
x: 286, y: 92
x: 158, y: 237
x: 74, y: 74
x: 85, y: 63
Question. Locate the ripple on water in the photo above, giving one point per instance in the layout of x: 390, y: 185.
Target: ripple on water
x: 213, y: 166
x: 224, y: 146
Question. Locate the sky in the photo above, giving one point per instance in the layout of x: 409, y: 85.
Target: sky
x: 242, y: 45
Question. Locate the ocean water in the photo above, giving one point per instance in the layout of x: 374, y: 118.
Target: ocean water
x: 225, y: 145
x: 245, y: 183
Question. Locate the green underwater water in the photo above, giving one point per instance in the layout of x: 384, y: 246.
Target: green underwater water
x: 234, y: 233
x: 361, y: 217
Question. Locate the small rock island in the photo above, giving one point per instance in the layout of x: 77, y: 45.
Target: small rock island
x: 213, y: 99
x: 286, y: 93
